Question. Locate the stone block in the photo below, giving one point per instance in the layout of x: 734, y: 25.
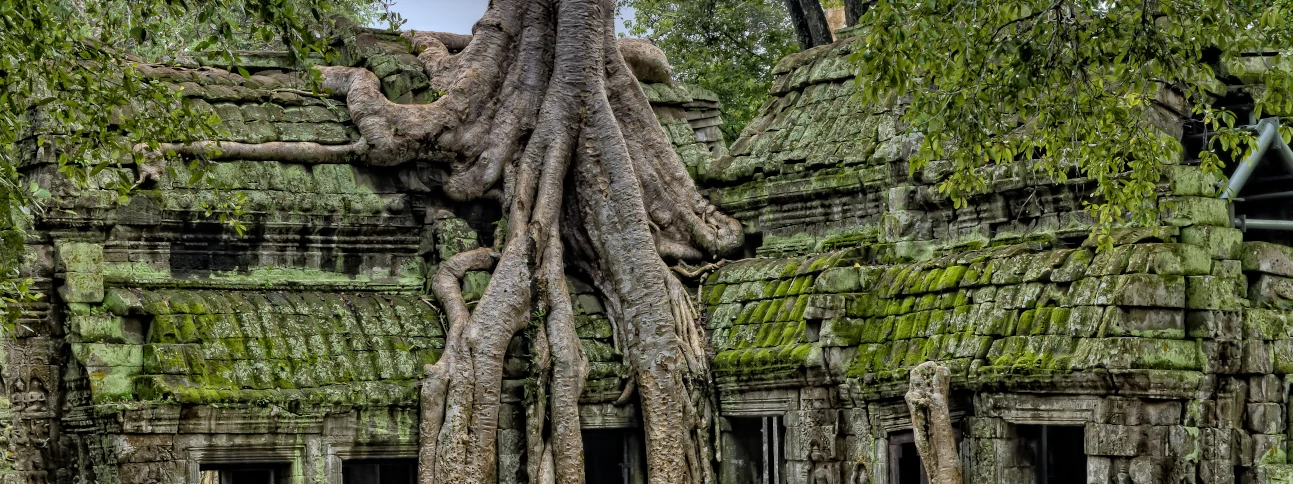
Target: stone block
x: 1190, y: 181
x: 1267, y: 258
x: 136, y: 448
x: 1227, y: 268
x: 1272, y: 292
x: 1150, y: 290
x: 1265, y: 418
x: 1220, y: 325
x: 1144, y: 322
x: 103, y: 354
x: 122, y: 302
x: 1264, y: 324
x: 1222, y: 357
x: 1099, y: 470
x: 1169, y: 259
x: 1214, y: 292
x: 1074, y: 267
x: 1216, y: 472
x: 1219, y: 242
x: 1148, y: 469
x: 170, y: 359
x: 1188, y: 211
x: 111, y: 383
x: 1258, y: 357
x: 1269, y: 449
x: 1093, y: 291
x: 102, y: 329
x: 1200, y: 413
x: 82, y: 287
x: 1118, y: 411
x: 78, y: 257
x: 1112, y: 440
x: 1160, y: 413
x: 837, y: 280
x: 1266, y: 389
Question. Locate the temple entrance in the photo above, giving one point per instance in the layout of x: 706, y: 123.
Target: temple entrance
x: 905, y: 466
x: 613, y: 456
x: 1053, y: 452
x: 249, y: 473
x: 386, y: 471
x: 753, y: 450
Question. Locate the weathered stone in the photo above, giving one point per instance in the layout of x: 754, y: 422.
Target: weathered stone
x: 78, y: 257
x: 1271, y: 292
x: 1219, y: 242
x: 1267, y: 258
x: 82, y: 287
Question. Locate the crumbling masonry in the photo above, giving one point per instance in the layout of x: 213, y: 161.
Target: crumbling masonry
x: 170, y: 350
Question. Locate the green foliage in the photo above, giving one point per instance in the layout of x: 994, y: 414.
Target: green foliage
x: 72, y: 91
x: 726, y: 46
x: 1069, y: 83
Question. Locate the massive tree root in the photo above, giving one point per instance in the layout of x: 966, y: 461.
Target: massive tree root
x: 931, y: 423
x: 540, y: 107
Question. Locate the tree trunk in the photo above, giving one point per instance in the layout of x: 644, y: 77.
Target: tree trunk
x: 539, y: 109
x: 854, y: 9
x: 931, y: 423
x: 810, y: 24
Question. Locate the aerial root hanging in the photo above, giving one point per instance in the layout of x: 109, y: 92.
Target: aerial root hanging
x: 447, y: 289
x: 539, y: 106
x: 931, y: 422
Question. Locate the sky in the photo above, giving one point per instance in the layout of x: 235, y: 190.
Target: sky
x: 456, y: 16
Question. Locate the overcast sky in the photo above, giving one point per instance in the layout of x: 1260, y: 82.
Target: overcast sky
x: 455, y: 16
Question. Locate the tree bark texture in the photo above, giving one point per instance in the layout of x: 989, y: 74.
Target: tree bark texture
x: 539, y: 105
x: 854, y: 9
x: 931, y: 423
x: 809, y: 20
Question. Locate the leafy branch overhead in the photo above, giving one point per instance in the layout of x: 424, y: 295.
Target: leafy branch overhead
x: 1086, y: 87
x: 73, y: 89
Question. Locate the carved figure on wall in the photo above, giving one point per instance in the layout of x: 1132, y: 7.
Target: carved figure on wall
x: 821, y: 469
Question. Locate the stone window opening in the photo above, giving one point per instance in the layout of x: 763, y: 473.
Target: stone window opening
x: 613, y: 456
x: 753, y: 241
x: 245, y: 473
x: 905, y: 466
x: 1054, y: 454
x: 379, y: 471
x: 756, y: 450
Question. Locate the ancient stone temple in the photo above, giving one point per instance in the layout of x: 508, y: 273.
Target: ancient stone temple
x: 169, y: 349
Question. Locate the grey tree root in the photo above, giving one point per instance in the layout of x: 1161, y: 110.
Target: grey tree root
x: 931, y: 423
x: 539, y: 106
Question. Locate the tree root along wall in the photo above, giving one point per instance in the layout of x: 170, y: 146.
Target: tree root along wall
x: 541, y: 105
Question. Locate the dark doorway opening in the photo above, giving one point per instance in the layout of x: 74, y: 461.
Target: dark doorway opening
x: 1055, y: 452
x: 905, y: 466
x: 385, y: 471
x: 755, y: 452
x: 245, y: 473
x: 613, y: 456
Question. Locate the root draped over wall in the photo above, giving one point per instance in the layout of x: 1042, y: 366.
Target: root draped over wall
x: 541, y: 111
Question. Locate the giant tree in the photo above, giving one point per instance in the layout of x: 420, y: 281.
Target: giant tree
x: 541, y: 113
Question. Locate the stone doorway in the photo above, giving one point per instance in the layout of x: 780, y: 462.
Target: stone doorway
x: 613, y: 456
x: 905, y: 466
x: 1054, y: 453
x: 250, y: 473
x: 753, y: 451
x: 385, y: 471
